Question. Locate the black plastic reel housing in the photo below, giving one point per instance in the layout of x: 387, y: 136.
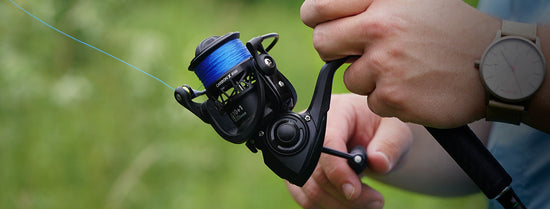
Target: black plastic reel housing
x: 253, y: 103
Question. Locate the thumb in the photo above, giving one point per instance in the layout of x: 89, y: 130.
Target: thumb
x: 389, y: 145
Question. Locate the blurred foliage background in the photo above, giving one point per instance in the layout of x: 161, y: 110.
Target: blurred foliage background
x: 80, y: 130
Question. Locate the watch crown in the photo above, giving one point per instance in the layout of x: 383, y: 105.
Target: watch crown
x: 477, y: 63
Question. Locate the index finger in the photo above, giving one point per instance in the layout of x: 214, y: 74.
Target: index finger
x: 338, y: 131
x: 314, y: 12
x: 338, y: 172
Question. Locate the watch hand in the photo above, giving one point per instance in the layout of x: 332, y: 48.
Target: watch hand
x: 513, y: 71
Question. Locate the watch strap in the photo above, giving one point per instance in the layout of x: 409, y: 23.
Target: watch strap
x: 511, y: 28
x: 504, y: 112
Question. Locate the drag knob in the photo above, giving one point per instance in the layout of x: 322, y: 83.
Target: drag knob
x: 287, y: 134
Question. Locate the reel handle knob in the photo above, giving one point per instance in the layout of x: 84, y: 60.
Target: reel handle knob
x: 359, y: 161
x: 357, y: 158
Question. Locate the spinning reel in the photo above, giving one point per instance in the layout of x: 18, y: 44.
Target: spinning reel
x: 250, y: 101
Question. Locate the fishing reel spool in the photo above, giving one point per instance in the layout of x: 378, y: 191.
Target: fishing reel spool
x: 250, y: 101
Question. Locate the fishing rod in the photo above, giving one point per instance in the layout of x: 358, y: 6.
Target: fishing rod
x: 479, y: 164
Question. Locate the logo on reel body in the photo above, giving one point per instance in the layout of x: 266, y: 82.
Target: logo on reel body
x: 250, y: 101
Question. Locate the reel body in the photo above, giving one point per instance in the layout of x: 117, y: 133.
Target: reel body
x: 251, y: 102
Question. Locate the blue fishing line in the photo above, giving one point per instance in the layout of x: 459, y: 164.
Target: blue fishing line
x: 93, y: 47
x: 220, y: 61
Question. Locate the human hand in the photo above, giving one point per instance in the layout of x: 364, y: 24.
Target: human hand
x: 416, y: 57
x: 350, y: 123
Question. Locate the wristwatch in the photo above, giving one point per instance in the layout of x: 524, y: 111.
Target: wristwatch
x: 512, y: 69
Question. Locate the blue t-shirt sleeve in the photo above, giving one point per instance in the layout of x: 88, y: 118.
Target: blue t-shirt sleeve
x: 529, y: 11
x: 525, y: 154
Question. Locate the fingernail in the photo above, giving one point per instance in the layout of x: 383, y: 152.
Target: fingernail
x: 388, y: 162
x: 349, y: 191
x: 375, y: 205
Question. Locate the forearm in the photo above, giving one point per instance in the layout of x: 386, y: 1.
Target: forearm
x: 430, y: 170
x: 538, y: 115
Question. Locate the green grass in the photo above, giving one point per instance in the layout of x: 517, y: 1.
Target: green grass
x: 81, y: 130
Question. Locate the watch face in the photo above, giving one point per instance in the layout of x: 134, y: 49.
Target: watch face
x: 512, y: 68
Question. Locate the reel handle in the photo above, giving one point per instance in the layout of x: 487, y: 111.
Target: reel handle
x: 357, y: 158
